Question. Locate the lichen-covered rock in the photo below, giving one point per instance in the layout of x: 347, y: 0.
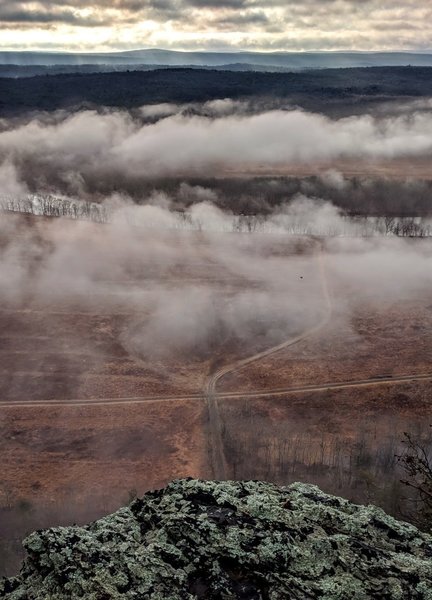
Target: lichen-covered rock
x: 211, y: 540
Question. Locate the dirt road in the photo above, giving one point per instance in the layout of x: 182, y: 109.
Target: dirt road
x: 211, y: 396
x: 215, y: 439
x: 213, y: 380
x: 321, y: 387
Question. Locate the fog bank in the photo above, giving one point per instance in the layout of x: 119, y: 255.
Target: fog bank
x: 70, y: 152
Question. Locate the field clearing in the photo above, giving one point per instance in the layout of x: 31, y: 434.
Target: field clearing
x: 415, y: 168
x: 375, y: 340
x: 63, y: 465
x: 92, y: 338
x: 82, y: 337
x: 86, y: 451
x: 78, y: 355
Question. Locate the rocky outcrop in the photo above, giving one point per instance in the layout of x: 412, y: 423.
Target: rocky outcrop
x: 210, y: 540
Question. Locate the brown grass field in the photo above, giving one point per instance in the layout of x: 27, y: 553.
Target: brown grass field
x: 379, y: 338
x: 64, y: 463
x: 394, y: 169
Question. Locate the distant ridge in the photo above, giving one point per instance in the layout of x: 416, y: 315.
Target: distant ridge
x: 330, y: 91
x: 259, y: 60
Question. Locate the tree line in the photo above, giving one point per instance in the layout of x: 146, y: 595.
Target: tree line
x: 53, y: 206
x: 342, y: 225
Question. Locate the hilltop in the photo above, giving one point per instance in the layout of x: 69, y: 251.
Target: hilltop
x: 227, y: 540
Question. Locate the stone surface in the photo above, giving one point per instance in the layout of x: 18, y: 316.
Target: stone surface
x: 210, y: 540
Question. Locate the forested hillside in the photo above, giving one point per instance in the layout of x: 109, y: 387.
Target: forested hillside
x: 330, y: 91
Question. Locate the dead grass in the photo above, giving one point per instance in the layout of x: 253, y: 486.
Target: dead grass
x: 382, y: 338
x: 398, y: 169
x: 75, y: 463
x: 60, y: 453
x: 64, y: 465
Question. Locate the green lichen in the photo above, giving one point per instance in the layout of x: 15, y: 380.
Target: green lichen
x: 227, y: 540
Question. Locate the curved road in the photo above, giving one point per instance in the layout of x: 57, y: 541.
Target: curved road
x: 213, y: 380
x: 216, y: 445
x: 211, y: 396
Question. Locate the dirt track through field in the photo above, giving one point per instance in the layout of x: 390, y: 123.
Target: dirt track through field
x: 216, y: 446
x: 211, y: 396
x: 238, y: 365
x: 321, y: 387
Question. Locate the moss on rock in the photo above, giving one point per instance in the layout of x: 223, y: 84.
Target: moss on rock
x: 225, y: 540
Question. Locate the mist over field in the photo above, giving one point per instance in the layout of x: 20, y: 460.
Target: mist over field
x: 223, y: 288
x: 149, y: 175
x: 215, y: 265
x: 133, y: 260
x: 223, y: 152
x: 87, y: 143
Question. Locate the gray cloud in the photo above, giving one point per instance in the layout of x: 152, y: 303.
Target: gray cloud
x: 218, y: 5
x: 258, y: 24
x: 86, y: 265
x: 43, y: 17
x: 243, y: 19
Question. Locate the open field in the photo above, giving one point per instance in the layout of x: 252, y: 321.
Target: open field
x: 137, y: 314
x: 84, y: 337
x: 69, y: 464
x: 416, y: 168
x: 392, y: 339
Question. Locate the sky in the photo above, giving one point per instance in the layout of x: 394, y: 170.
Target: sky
x: 260, y: 25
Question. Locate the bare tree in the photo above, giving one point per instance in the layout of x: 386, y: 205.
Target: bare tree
x: 416, y: 461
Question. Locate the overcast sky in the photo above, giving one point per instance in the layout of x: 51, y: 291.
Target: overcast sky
x: 216, y: 24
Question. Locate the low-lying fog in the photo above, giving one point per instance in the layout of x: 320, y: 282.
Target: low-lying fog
x: 204, y: 287
x: 79, y: 153
x: 183, y: 274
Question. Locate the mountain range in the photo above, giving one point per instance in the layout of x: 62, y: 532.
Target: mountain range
x: 272, y: 60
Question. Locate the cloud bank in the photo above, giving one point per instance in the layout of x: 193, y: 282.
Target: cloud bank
x: 206, y: 24
x: 69, y: 151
